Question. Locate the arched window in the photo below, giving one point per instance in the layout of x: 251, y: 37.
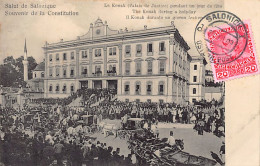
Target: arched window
x: 57, y: 71
x: 50, y: 72
x: 194, y: 91
x: 50, y: 57
x: 71, y: 88
x: 127, y: 68
x: 114, y: 68
x: 138, y: 88
x: 150, y: 67
x: 161, y: 88
x: 84, y: 71
x: 72, y: 55
x: 72, y: 72
x: 42, y: 74
x: 138, y: 67
x: 149, y: 87
x: 162, y: 66
x: 57, y: 88
x: 50, y: 88
x: 57, y: 57
x: 64, y: 89
x: 127, y: 88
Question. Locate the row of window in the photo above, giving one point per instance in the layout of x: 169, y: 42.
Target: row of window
x: 148, y: 88
x: 42, y: 75
x: 139, y: 49
x: 138, y: 67
x: 64, y: 88
x: 112, y: 69
x: 148, y: 100
x: 64, y: 57
x: 112, y: 51
x: 84, y: 53
x: 64, y: 72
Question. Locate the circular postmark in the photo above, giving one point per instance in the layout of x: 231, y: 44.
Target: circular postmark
x: 222, y: 36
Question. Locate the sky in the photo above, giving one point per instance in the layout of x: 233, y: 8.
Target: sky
x: 38, y: 29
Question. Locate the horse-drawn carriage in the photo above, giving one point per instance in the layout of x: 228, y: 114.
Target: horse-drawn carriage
x: 179, y: 157
x: 85, y: 124
x: 154, y: 151
x: 88, y: 119
x: 133, y: 126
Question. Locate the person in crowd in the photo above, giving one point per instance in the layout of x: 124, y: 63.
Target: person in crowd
x: 146, y: 126
x: 222, y: 151
x: 58, y: 149
x: 171, y: 139
x: 48, y: 140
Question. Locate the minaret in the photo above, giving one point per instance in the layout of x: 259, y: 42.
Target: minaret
x: 25, y: 64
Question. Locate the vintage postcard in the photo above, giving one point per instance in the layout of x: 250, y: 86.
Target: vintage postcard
x: 128, y: 82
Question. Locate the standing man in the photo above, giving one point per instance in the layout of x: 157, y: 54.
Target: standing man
x: 58, y: 152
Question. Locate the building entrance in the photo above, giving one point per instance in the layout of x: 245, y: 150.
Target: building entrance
x: 97, y: 84
x: 112, y: 85
x: 83, y: 84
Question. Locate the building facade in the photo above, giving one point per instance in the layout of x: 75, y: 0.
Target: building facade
x: 37, y: 82
x: 197, y: 79
x: 144, y: 65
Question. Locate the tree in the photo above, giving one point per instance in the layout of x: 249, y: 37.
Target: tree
x: 31, y: 66
x: 11, y: 72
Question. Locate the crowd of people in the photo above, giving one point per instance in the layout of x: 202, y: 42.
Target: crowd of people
x: 48, y: 143
x: 38, y: 135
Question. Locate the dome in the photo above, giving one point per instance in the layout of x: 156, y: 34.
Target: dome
x: 40, y: 67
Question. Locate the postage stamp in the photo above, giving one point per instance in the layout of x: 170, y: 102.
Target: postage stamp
x: 228, y: 43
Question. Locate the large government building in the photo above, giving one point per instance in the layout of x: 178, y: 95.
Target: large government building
x: 151, y: 64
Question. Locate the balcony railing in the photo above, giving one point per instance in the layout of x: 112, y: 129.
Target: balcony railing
x: 97, y: 74
x: 84, y: 75
x: 111, y: 74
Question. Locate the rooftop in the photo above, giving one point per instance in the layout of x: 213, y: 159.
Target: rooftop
x: 40, y: 67
x: 100, y: 32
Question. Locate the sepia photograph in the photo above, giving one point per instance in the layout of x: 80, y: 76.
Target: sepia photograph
x: 119, y: 83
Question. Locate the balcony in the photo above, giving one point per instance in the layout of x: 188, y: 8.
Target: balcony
x: 149, y: 72
x: 138, y: 73
x: 162, y: 71
x: 97, y: 74
x: 138, y: 54
x: 84, y: 75
x: 150, y: 53
x: 160, y: 93
x: 149, y: 92
x: 127, y: 72
x: 111, y: 73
